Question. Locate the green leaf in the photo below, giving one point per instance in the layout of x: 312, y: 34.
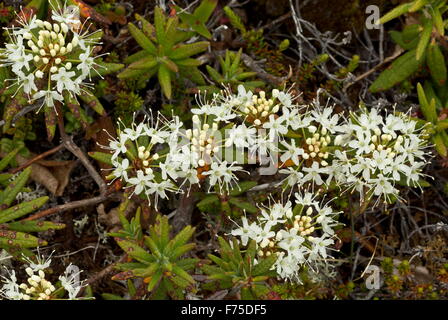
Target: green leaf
x: 21, y: 209
x: 9, y: 194
x: 246, y: 294
x: 7, y: 159
x: 159, y: 23
x: 425, y: 36
x: 438, y: 21
x: 13, y: 238
x: 428, y: 109
x: 165, y: 80
x: 101, y: 157
x: 110, y: 296
x: 179, y: 251
x: 417, y: 5
x: 189, y: 62
x: 141, y: 39
x: 205, y: 10
x: 34, y: 226
x: 155, y: 280
x: 170, y: 65
x: 442, y: 124
x: 439, y: 144
x: 242, y: 187
x: 209, y: 199
x: 105, y: 68
x: 182, y: 273
x: 136, y: 56
x: 264, y: 265
x: 235, y: 20
x: 182, y: 237
x: 216, y: 76
x: 137, y: 68
x: 93, y: 102
x: 431, y: 94
x: 396, y: 12
x: 243, y: 205
x: 184, y: 51
x: 135, y: 251
x: 401, y: 69
x: 436, y: 64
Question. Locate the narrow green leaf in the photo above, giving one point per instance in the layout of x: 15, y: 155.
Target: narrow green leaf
x: 264, y: 265
x: 425, y: 36
x: 141, y: 39
x: 101, y: 157
x: 21, y: 209
x: 243, y: 205
x: 9, y: 194
x: 13, y: 238
x: 184, y: 51
x: 439, y: 145
x: 428, y: 109
x: 7, y: 159
x: 436, y: 64
x: 34, y: 226
x: 92, y: 101
x: 134, y: 251
x: 396, y: 12
x: 165, y: 80
x: 242, y: 187
x: 401, y: 69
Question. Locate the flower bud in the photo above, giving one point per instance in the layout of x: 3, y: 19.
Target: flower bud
x: 64, y: 28
x: 47, y: 25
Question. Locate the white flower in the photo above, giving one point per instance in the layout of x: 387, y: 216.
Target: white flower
x: 241, y: 136
x: 292, y: 152
x: 244, y: 232
x: 276, y: 125
x: 121, y: 169
x: 222, y: 174
x: 63, y: 81
x: 320, y: 245
x: 49, y: 96
x: 118, y: 146
x: 141, y: 181
x: 10, y: 289
x: 71, y: 282
x: 313, y: 173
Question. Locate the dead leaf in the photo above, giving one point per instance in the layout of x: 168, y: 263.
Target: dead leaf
x: 53, y: 175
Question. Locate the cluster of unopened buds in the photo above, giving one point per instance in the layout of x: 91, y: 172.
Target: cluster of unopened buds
x: 316, y: 146
x: 203, y: 143
x: 258, y: 109
x: 37, y: 288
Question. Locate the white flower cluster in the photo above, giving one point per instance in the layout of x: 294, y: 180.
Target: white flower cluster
x: 36, y: 286
x: 138, y: 164
x: 378, y: 153
x: 50, y: 59
x: 311, y: 145
x: 190, y: 156
x: 299, y: 233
